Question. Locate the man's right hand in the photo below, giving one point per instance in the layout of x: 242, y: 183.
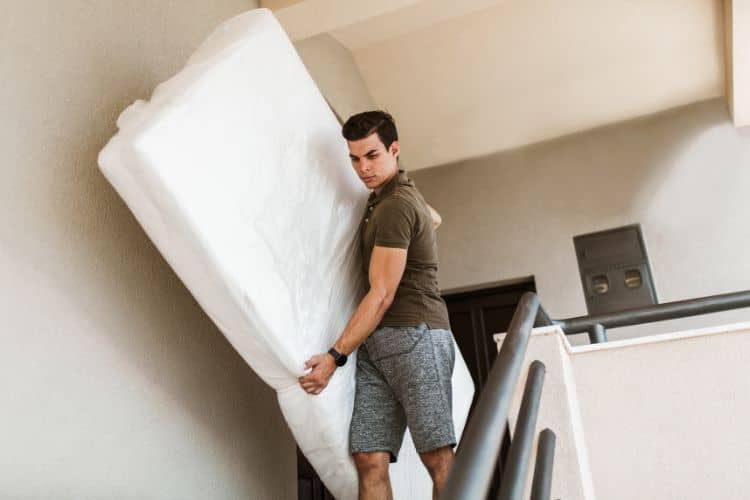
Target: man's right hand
x: 323, y: 365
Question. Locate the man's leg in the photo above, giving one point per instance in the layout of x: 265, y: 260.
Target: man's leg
x: 372, y: 470
x: 421, y: 379
x: 377, y: 427
x: 438, y: 463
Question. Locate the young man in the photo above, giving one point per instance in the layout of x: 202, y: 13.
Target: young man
x: 406, y: 351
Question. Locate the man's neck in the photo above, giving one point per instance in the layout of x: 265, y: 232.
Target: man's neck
x: 379, y: 189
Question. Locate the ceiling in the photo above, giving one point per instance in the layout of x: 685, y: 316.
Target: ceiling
x: 470, y: 78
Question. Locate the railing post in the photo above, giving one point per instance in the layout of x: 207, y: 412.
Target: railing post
x: 597, y: 334
x: 514, y: 474
x: 541, y: 487
x: 473, y: 468
x: 542, y: 318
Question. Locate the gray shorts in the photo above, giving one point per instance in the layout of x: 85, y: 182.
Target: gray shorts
x: 403, y: 378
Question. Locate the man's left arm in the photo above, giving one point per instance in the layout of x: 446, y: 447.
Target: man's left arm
x: 386, y: 269
x: 436, y: 219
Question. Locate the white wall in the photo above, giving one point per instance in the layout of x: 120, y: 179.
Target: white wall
x: 661, y: 417
x: 666, y: 419
x: 113, y: 383
x: 684, y: 175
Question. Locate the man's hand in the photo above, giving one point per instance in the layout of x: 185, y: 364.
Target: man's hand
x: 386, y: 268
x: 436, y: 219
x: 323, y: 366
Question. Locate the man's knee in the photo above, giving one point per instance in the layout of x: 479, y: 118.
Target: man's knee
x: 372, y: 464
x: 438, y: 461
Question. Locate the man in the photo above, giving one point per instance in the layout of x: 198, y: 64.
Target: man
x: 406, y: 355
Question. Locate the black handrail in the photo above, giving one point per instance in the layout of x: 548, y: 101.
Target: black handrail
x: 541, y: 486
x: 514, y: 473
x: 596, y: 325
x: 475, y: 461
x: 658, y: 312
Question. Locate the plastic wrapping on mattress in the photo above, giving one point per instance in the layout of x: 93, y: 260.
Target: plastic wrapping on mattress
x: 237, y: 171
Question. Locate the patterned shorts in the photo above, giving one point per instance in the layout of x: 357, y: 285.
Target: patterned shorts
x: 404, y: 379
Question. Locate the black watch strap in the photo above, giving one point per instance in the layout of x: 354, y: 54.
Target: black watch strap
x: 339, y: 358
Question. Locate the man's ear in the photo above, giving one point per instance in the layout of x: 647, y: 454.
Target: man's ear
x: 395, y: 148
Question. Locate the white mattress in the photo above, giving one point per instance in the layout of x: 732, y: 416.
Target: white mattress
x: 237, y: 171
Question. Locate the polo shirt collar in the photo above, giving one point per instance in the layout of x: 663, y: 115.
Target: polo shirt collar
x: 399, y: 178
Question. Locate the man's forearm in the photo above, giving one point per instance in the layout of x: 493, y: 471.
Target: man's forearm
x: 365, y: 319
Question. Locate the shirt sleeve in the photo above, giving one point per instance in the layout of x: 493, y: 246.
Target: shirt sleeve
x: 394, y: 223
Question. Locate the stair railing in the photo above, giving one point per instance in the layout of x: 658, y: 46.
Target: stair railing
x: 597, y: 325
x: 475, y: 461
x: 477, y: 456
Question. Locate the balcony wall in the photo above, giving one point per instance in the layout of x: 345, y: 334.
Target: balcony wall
x: 659, y: 417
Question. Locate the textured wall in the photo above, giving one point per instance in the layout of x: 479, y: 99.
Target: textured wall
x: 113, y: 383
x: 684, y: 175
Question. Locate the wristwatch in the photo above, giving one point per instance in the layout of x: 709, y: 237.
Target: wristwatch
x: 339, y: 358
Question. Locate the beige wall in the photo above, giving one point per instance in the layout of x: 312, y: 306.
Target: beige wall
x: 737, y: 43
x: 519, y: 72
x: 333, y: 68
x: 684, y: 175
x: 278, y: 4
x: 113, y: 383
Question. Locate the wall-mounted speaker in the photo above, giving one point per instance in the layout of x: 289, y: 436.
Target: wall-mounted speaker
x: 615, y: 271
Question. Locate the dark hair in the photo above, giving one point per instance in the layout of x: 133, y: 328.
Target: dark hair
x: 364, y: 124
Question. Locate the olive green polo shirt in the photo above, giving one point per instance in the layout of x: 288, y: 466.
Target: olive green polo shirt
x: 399, y: 218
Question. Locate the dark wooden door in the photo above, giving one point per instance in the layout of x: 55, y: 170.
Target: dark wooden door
x: 476, y: 315
x: 309, y: 485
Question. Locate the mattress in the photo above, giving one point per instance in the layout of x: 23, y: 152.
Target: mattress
x: 236, y: 169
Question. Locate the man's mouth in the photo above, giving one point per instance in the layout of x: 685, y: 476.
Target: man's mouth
x: 368, y: 179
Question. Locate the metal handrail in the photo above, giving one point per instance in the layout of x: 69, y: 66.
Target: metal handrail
x: 541, y: 485
x: 657, y: 312
x: 596, y: 325
x: 475, y: 461
x: 511, y: 488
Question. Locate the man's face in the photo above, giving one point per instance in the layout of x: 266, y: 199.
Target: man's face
x: 374, y: 164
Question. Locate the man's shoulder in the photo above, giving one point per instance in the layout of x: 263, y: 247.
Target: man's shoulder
x: 395, y: 204
x: 405, y: 201
x: 406, y: 195
x: 406, y: 205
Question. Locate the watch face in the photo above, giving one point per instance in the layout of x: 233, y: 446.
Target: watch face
x: 339, y: 359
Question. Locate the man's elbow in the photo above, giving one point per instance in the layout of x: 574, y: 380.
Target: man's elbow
x: 388, y: 300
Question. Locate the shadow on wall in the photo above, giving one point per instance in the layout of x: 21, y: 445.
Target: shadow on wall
x: 611, y: 168
x: 83, y: 239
